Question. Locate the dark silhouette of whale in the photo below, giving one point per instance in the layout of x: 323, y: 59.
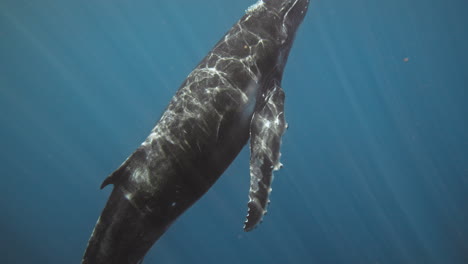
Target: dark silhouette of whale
x: 233, y: 94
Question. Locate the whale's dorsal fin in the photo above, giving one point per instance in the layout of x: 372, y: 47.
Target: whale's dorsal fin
x: 115, y: 177
x: 124, y: 170
x: 266, y: 128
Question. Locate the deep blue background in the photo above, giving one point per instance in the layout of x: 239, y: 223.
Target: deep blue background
x: 376, y: 155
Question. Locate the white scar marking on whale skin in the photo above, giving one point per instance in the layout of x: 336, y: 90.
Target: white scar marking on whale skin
x: 128, y: 196
x: 141, y: 175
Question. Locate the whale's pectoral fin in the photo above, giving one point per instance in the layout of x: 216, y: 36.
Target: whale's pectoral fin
x: 266, y: 128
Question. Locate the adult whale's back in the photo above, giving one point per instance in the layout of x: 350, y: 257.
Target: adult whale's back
x: 233, y: 94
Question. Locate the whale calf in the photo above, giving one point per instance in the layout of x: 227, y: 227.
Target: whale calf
x: 232, y: 95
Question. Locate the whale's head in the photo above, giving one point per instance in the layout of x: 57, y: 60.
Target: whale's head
x: 290, y: 12
x: 276, y: 21
x: 285, y: 15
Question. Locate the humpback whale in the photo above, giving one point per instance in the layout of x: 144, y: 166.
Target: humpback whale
x: 232, y: 95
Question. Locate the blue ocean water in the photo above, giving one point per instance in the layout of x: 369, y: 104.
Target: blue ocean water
x: 375, y: 158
